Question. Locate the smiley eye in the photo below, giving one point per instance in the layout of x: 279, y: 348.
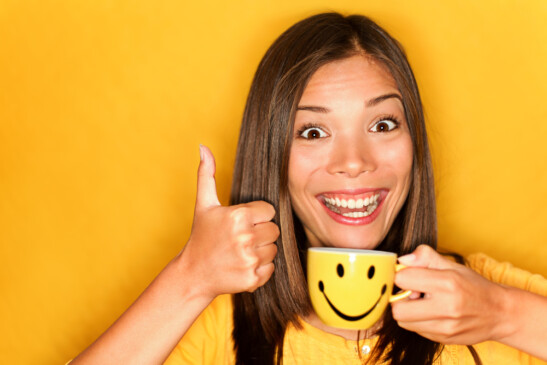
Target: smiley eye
x: 371, y: 272
x: 340, y: 270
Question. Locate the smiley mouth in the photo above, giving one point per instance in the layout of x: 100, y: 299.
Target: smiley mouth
x: 345, y: 316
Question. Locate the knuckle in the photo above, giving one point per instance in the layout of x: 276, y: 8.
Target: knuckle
x: 269, y: 210
x: 449, y: 330
x: 243, y: 240
x: 275, y: 232
x: 251, y: 264
x: 266, y: 205
x: 423, y: 250
x: 272, y: 211
x: 458, y: 306
x: 270, y: 255
x: 240, y: 214
x: 453, y: 310
x: 451, y: 282
x: 253, y: 281
x: 444, y: 329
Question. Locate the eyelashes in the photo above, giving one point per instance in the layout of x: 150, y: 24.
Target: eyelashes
x: 311, y: 131
x: 383, y: 124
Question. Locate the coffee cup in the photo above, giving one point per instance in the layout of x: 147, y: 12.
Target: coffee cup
x: 351, y: 288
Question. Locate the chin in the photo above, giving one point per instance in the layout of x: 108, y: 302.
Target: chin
x: 354, y: 241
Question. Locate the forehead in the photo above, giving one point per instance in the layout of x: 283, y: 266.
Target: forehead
x: 357, y: 74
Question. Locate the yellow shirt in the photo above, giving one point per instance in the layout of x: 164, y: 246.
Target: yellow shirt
x: 209, y: 340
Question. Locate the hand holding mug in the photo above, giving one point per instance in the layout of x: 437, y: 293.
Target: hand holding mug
x: 458, y: 306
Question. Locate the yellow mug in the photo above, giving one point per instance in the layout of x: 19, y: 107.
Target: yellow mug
x: 350, y: 288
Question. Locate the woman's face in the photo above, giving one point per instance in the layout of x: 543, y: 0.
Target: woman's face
x: 351, y: 155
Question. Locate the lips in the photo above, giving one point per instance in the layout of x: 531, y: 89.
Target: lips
x: 354, y: 207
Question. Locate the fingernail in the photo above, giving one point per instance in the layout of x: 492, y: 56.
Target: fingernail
x: 201, y: 152
x: 407, y: 259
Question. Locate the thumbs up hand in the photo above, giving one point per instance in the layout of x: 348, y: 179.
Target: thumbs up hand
x: 231, y: 248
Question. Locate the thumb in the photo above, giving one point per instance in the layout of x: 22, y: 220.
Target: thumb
x: 426, y: 256
x: 207, y: 188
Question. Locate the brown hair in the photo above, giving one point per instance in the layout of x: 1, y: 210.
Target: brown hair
x: 261, y: 173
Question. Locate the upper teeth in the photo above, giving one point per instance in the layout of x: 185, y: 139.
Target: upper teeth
x: 352, y: 203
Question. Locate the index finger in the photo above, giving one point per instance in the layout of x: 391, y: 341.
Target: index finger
x: 417, y: 310
x: 261, y: 211
x: 421, y: 279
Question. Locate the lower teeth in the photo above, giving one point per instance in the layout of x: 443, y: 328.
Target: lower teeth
x: 370, y: 209
x: 356, y: 214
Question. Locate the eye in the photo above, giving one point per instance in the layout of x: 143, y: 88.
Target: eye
x: 370, y: 273
x: 384, y: 125
x: 340, y: 270
x: 313, y: 133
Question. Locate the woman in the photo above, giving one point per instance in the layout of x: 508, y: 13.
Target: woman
x: 332, y: 152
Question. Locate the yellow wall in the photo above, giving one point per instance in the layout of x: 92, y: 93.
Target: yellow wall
x: 103, y: 105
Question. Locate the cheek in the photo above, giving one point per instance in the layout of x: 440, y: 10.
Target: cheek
x: 304, y: 180
x: 302, y: 164
x: 399, y: 157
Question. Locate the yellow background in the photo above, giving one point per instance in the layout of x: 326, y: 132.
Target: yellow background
x: 103, y: 105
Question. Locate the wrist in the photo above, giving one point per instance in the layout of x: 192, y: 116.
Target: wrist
x: 507, y: 319
x: 190, y: 282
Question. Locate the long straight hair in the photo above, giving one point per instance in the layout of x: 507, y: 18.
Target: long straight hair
x: 261, y: 173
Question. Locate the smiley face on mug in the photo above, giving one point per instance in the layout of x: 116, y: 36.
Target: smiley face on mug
x: 348, y: 289
x: 341, y: 272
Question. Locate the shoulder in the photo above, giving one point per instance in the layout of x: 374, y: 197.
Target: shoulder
x: 507, y: 274
x: 489, y: 352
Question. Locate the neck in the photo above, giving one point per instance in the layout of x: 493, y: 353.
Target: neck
x: 313, y: 320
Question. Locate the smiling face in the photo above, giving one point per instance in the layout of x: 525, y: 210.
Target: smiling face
x: 351, y: 155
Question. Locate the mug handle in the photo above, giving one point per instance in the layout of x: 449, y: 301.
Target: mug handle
x: 402, y: 294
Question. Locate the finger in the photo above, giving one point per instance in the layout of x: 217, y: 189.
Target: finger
x: 266, y: 253
x: 426, y: 256
x: 423, y: 280
x: 418, y: 310
x: 261, y: 211
x: 264, y: 273
x: 207, y: 189
x: 444, y: 331
x: 265, y: 233
x: 415, y: 295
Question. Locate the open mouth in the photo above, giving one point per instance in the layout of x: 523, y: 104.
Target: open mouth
x: 345, y: 316
x: 357, y: 206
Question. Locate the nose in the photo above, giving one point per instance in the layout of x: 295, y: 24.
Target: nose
x: 351, y: 157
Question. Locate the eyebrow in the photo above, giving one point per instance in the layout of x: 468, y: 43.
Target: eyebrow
x: 370, y: 103
x: 312, y: 108
x: 377, y: 100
